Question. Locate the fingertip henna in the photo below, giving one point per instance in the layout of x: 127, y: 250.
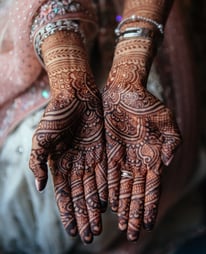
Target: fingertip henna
x: 150, y: 215
x: 103, y: 204
x: 86, y: 236
x: 152, y: 196
x: 71, y: 229
x: 96, y: 226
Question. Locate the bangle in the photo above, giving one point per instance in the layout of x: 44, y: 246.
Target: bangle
x: 53, y: 10
x: 133, y: 32
x: 50, y: 29
x: 57, y: 15
x: 135, y: 18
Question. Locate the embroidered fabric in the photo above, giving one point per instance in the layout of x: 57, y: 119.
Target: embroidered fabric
x: 19, y: 65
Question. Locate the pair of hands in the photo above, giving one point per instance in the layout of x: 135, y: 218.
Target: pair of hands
x: 90, y: 149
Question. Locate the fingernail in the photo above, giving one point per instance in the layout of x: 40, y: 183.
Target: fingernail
x: 88, y: 239
x: 72, y: 229
x: 114, y: 207
x: 166, y: 160
x: 122, y: 226
x: 133, y: 237
x: 96, y: 230
x: 40, y: 184
x: 148, y: 226
x: 103, y: 206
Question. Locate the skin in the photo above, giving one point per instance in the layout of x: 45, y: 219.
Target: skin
x: 70, y: 137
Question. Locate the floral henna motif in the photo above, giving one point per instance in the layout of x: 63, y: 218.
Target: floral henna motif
x: 70, y: 136
x: 141, y: 135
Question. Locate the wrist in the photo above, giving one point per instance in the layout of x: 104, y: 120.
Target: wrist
x: 64, y: 49
x: 134, y: 58
x: 134, y: 50
x: 144, y: 19
x: 65, y: 61
x: 156, y: 10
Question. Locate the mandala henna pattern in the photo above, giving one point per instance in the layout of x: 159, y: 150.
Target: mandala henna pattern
x: 141, y: 134
x: 70, y: 134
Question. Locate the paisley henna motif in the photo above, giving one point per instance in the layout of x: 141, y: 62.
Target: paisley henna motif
x: 141, y: 135
x: 70, y: 134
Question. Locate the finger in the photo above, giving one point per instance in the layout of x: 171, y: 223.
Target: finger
x: 124, y: 200
x: 136, y: 206
x: 79, y: 203
x: 170, y: 135
x: 101, y: 181
x: 63, y: 198
x: 115, y: 155
x: 152, y: 195
x: 92, y: 202
x: 113, y: 185
x: 96, y: 159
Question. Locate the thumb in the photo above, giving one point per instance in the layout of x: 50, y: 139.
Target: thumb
x: 170, y: 135
x: 38, y: 165
x: 169, y: 146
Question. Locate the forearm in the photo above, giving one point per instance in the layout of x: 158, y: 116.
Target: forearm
x: 65, y: 60
x: 67, y: 15
x: 139, y: 39
x: 156, y: 10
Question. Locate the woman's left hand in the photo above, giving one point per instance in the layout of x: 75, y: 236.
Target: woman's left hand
x: 141, y: 135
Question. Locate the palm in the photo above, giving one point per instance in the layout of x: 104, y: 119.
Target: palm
x: 140, y: 134
x: 70, y: 137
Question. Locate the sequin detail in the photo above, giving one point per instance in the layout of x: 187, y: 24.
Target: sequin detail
x: 54, y: 10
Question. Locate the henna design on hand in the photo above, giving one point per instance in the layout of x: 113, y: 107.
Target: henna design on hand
x: 70, y: 137
x: 141, y: 135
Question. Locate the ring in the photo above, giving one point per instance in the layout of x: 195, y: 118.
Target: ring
x: 127, y: 174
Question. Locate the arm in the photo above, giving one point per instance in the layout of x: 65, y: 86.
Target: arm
x: 70, y: 137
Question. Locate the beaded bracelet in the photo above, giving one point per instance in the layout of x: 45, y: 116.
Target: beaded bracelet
x: 135, y: 18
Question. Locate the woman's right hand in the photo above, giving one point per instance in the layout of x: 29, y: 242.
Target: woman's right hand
x: 70, y: 137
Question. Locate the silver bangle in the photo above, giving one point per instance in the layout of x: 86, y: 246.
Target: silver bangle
x: 133, y: 32
x: 135, y: 18
x: 51, y: 28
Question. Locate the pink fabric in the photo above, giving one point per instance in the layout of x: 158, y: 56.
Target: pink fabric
x: 18, y: 63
